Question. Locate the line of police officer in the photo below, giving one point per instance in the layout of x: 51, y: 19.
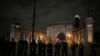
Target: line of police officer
x: 48, y: 50
x: 8, y: 48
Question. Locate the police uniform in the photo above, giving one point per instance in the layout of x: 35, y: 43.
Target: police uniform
x: 57, y: 49
x: 33, y: 47
x: 49, y: 49
x: 25, y: 47
x: 64, y: 49
x: 20, y: 48
x: 41, y: 49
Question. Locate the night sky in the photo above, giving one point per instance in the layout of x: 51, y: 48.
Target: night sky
x: 47, y: 11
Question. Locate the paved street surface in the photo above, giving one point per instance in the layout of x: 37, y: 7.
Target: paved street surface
x: 86, y: 52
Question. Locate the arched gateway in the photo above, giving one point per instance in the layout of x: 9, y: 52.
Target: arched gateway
x: 59, y: 31
x: 61, y: 37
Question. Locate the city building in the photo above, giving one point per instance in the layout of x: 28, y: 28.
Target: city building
x: 68, y: 31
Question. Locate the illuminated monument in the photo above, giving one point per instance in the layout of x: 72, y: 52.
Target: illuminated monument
x: 70, y: 31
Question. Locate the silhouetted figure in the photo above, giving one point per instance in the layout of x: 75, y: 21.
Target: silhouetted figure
x: 25, y: 47
x: 41, y: 47
x: 64, y: 49
x: 13, y: 47
x: 6, y: 47
x: 93, y: 50
x: 2, y: 46
x: 20, y: 48
x: 33, y: 47
x: 49, y: 49
x: 73, y: 48
x: 81, y: 50
x: 57, y: 48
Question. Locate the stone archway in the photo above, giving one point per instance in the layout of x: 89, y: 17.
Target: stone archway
x: 61, y: 37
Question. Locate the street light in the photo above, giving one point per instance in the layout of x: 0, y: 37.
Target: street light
x: 69, y: 39
x: 69, y: 35
x: 41, y: 37
x: 34, y: 5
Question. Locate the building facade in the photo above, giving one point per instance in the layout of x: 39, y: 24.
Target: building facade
x: 70, y: 31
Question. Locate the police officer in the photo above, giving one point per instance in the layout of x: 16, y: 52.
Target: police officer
x: 64, y: 48
x: 49, y: 49
x: 92, y: 50
x: 20, y: 47
x: 41, y: 47
x: 57, y: 48
x: 33, y: 47
x: 13, y: 47
x: 73, y: 48
x: 2, y: 46
x: 81, y: 49
x: 7, y: 47
x: 25, y: 47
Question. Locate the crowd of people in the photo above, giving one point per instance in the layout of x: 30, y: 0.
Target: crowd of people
x: 8, y: 48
